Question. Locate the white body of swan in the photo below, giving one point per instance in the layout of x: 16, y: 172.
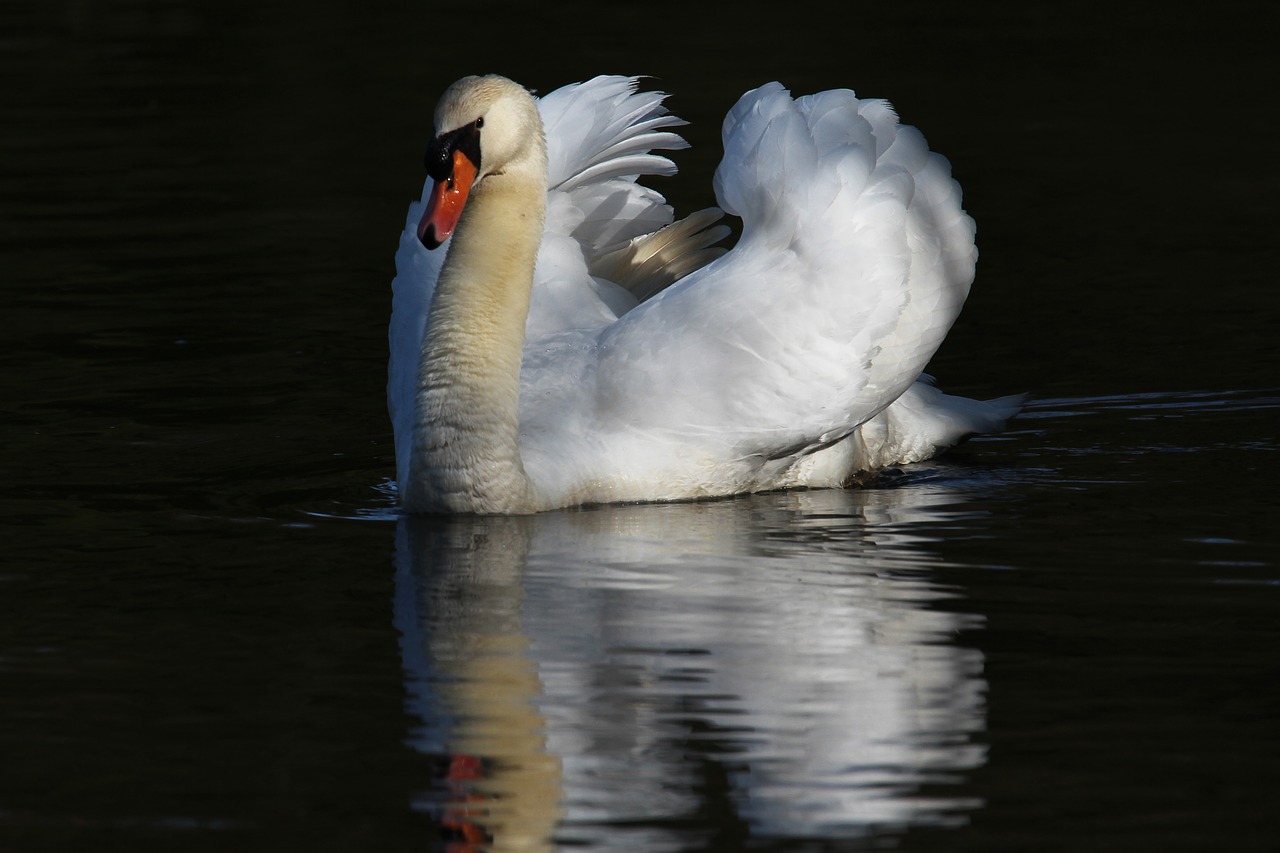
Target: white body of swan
x: 542, y: 357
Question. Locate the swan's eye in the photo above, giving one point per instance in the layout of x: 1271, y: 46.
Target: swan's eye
x: 480, y: 122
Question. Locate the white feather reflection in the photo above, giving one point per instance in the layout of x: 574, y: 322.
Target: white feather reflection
x: 779, y: 658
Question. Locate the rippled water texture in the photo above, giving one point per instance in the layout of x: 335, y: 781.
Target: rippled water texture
x: 216, y: 632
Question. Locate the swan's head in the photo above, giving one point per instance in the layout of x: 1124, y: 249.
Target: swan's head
x: 484, y: 126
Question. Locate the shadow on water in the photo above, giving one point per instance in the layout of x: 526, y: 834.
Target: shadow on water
x: 611, y: 678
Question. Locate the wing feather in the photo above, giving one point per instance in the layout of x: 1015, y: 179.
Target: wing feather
x: 854, y: 259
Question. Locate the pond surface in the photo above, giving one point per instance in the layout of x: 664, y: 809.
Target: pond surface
x: 217, y: 633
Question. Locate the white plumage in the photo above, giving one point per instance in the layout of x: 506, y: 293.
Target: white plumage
x: 776, y: 364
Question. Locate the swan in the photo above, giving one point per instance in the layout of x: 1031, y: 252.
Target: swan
x: 557, y: 339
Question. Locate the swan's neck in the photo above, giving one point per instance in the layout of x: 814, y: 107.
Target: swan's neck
x: 466, y: 453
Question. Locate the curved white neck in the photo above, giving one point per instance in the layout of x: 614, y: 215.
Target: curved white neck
x: 466, y: 454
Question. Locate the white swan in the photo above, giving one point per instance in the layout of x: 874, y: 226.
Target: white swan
x: 532, y: 367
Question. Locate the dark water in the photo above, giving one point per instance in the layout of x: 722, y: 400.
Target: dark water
x: 215, y: 634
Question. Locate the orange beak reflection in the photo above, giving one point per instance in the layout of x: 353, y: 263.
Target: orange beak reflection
x: 444, y: 206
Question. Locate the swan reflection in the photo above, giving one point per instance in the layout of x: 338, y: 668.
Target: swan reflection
x: 614, y: 677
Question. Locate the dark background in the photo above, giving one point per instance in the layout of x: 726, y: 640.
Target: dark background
x: 199, y: 208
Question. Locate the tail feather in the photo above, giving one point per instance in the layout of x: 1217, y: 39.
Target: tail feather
x: 924, y: 421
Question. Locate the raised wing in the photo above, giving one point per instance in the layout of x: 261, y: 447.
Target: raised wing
x: 854, y: 261
x: 604, y: 246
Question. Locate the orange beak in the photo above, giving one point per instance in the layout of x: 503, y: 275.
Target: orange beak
x: 444, y: 205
